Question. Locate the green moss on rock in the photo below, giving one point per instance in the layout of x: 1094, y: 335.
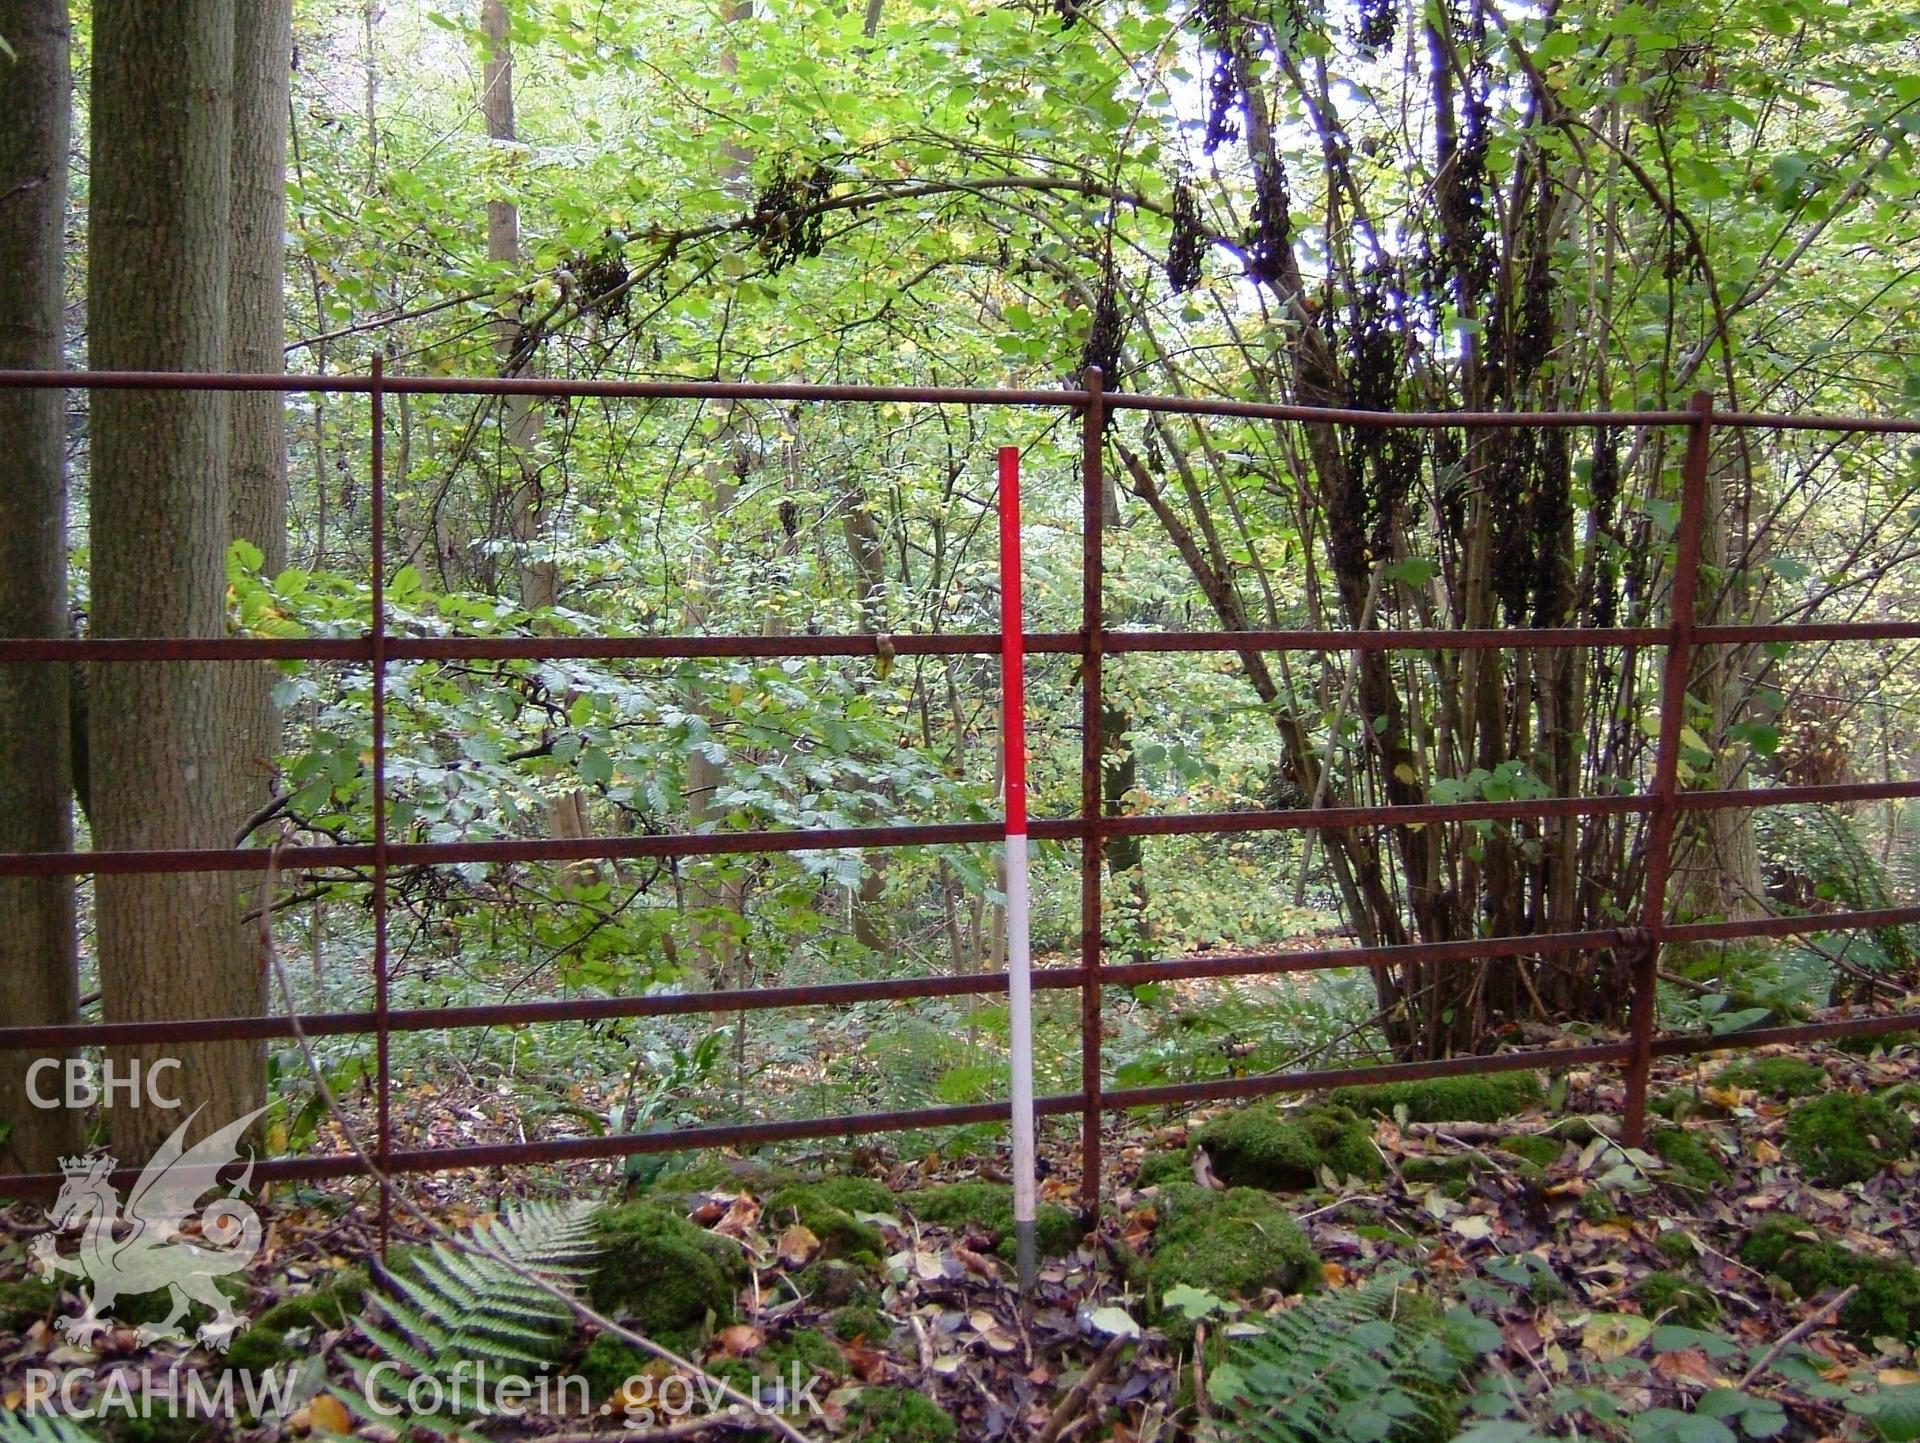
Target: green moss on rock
x: 808, y: 1348
x: 1263, y: 1146
x: 1697, y: 1164
x: 1486, y: 1098
x: 897, y: 1415
x: 662, y: 1271
x: 1235, y: 1244
x: 1675, y: 1245
x: 841, y: 1234
x: 1537, y: 1148
x: 607, y: 1364
x: 1673, y: 1299
x: 25, y: 1303
x: 858, y: 1194
x: 1846, y: 1137
x: 835, y: 1283
x: 1159, y: 1167
x: 1888, y: 1303
x: 1776, y: 1076
x: 989, y: 1206
x: 1869, y: 1043
x: 860, y: 1321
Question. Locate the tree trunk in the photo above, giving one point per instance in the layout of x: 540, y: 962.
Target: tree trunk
x: 161, y: 216
x: 37, y: 978
x: 256, y: 344
x: 869, y: 569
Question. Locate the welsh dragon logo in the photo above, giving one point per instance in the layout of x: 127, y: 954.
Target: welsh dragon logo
x: 147, y: 1249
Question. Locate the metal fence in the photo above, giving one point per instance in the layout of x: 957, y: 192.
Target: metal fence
x: 1662, y: 803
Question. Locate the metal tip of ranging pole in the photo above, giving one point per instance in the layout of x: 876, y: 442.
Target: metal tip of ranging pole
x: 1019, y: 958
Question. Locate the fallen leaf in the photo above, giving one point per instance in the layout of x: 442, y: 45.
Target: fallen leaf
x: 1614, y: 1335
x: 1685, y: 1365
x: 1334, y: 1275
x: 1475, y: 1229
x: 1896, y: 1377
x: 1114, y: 1322
x: 993, y: 1331
x: 797, y: 1245
x: 330, y: 1415
x: 740, y: 1339
x: 977, y: 1263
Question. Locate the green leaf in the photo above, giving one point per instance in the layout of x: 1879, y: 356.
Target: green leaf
x: 1193, y: 1303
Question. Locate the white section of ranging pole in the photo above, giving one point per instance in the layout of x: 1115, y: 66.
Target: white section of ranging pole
x: 1020, y: 1000
x: 1013, y: 703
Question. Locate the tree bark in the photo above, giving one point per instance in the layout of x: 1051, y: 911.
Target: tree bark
x: 161, y: 216
x: 256, y: 344
x: 37, y: 973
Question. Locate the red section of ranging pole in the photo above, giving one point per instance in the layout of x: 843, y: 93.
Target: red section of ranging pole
x: 1013, y: 660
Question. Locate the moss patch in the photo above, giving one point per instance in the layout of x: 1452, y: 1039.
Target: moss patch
x: 1262, y: 1146
x: 807, y: 1349
x: 858, y: 1194
x: 1537, y: 1148
x: 1486, y: 1098
x: 860, y: 1321
x: 989, y: 1206
x: 1675, y: 1245
x: 265, y: 1343
x: 833, y: 1283
x: 1776, y: 1076
x: 24, y: 1303
x: 1697, y: 1164
x: 1235, y: 1243
x: 898, y: 1415
x: 1846, y: 1137
x: 1888, y: 1303
x: 841, y: 1234
x: 661, y: 1270
x: 1159, y: 1167
x: 607, y: 1364
x: 1673, y: 1299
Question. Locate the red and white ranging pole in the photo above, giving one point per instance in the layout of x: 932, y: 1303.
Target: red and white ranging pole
x: 1013, y: 692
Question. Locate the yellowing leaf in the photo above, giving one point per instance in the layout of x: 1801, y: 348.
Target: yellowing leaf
x: 330, y: 1415
x: 797, y: 1245
x: 1614, y: 1335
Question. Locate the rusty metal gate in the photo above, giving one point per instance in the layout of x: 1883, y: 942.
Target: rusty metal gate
x: 1661, y: 804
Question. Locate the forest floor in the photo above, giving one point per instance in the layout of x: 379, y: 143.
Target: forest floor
x: 1609, y: 1286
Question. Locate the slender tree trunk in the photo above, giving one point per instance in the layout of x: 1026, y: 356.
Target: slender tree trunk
x: 160, y: 223
x: 256, y: 343
x: 519, y: 417
x: 869, y: 569
x: 37, y: 978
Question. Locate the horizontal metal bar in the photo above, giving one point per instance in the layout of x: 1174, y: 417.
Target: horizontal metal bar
x: 1322, y: 959
x: 1227, y: 1089
x: 391, y: 384
x: 518, y: 1014
x: 1809, y: 631
x: 1693, y: 1043
x: 595, y: 1149
x: 1799, y: 926
x: 1058, y: 643
x: 1057, y: 829
x: 933, y: 395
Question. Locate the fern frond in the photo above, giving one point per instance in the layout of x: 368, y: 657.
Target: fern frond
x: 474, y: 1305
x: 43, y: 1428
x: 1361, y: 1365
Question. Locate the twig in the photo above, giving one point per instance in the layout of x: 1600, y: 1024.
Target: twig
x: 1199, y: 1372
x: 1799, y: 1331
x: 679, y: 1428
x: 1077, y: 1395
x: 751, y: 1410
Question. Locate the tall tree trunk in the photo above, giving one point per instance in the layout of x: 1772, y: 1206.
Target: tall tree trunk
x: 256, y: 344
x: 37, y: 978
x: 869, y: 569
x: 715, y: 891
x: 539, y: 576
x: 161, y: 214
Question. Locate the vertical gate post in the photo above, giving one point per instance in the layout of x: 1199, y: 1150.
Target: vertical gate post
x: 377, y: 606
x: 1666, y: 768
x: 1093, y: 425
